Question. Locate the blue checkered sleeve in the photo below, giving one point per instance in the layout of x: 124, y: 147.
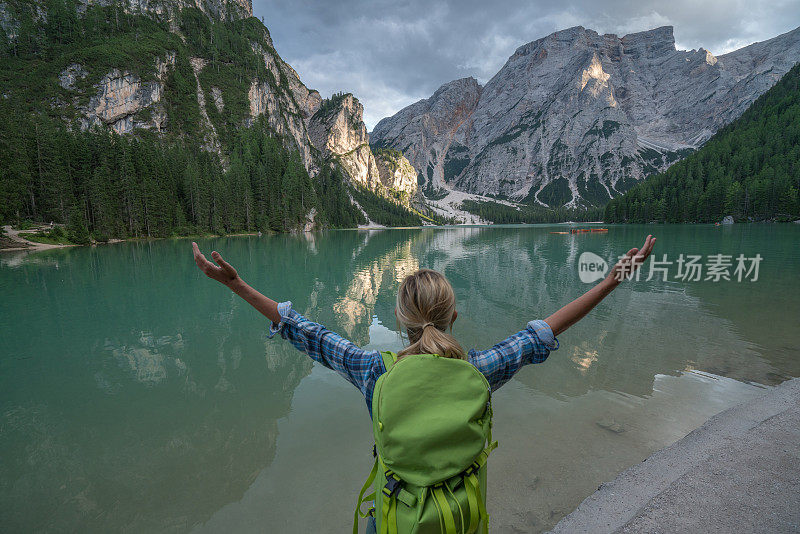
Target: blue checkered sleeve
x: 360, y: 367
x: 501, y: 362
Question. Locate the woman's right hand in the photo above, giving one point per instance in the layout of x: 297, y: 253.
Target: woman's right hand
x: 631, y: 261
x: 223, y: 272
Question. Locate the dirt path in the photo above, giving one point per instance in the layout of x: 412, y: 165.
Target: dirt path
x: 11, y: 240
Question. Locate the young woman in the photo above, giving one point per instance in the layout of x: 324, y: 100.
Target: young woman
x: 426, y: 309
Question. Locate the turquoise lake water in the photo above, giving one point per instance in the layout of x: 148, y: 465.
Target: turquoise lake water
x: 136, y: 395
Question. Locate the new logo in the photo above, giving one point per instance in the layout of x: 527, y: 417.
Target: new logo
x: 591, y: 267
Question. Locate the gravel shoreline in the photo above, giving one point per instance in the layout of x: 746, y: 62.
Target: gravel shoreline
x: 739, y: 472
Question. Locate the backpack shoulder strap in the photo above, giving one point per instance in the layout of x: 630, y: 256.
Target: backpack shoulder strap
x: 389, y: 359
x: 362, y: 498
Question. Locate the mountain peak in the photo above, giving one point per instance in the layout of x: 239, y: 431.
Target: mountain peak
x: 650, y: 42
x: 568, y: 35
x: 662, y: 33
x: 461, y: 84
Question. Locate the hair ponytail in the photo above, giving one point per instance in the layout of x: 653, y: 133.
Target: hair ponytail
x: 426, y: 306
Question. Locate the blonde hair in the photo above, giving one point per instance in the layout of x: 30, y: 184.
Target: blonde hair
x: 426, y: 307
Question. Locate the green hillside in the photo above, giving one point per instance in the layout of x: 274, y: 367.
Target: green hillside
x: 186, y: 171
x: 750, y: 170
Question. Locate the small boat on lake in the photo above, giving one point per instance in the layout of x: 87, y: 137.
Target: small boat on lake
x: 587, y: 230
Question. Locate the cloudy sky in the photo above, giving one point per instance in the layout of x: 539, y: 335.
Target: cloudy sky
x: 392, y: 53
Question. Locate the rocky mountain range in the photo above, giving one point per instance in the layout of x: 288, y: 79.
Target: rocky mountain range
x: 132, y: 90
x: 576, y: 118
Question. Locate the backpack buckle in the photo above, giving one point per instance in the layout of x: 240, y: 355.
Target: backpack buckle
x: 392, y: 486
x: 473, y: 468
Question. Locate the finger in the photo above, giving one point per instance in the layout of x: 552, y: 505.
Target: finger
x: 646, y: 250
x: 222, y: 263
x: 632, y: 252
x: 650, y: 246
x: 199, y: 259
x: 640, y: 255
x: 646, y: 244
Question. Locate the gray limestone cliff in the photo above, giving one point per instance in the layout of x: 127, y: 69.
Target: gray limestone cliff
x: 576, y: 118
x: 425, y: 131
x: 338, y: 131
x: 127, y: 99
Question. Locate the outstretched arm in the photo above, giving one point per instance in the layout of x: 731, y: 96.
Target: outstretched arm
x: 333, y: 351
x: 224, y: 273
x: 578, y: 308
x: 534, y: 344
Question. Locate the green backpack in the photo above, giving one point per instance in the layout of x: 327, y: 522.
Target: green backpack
x: 432, y: 421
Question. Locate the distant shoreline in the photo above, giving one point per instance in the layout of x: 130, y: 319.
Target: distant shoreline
x: 12, y: 237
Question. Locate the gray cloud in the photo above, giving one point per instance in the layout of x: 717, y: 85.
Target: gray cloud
x: 390, y: 54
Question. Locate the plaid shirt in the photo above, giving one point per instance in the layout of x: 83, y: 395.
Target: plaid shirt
x: 363, y: 367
